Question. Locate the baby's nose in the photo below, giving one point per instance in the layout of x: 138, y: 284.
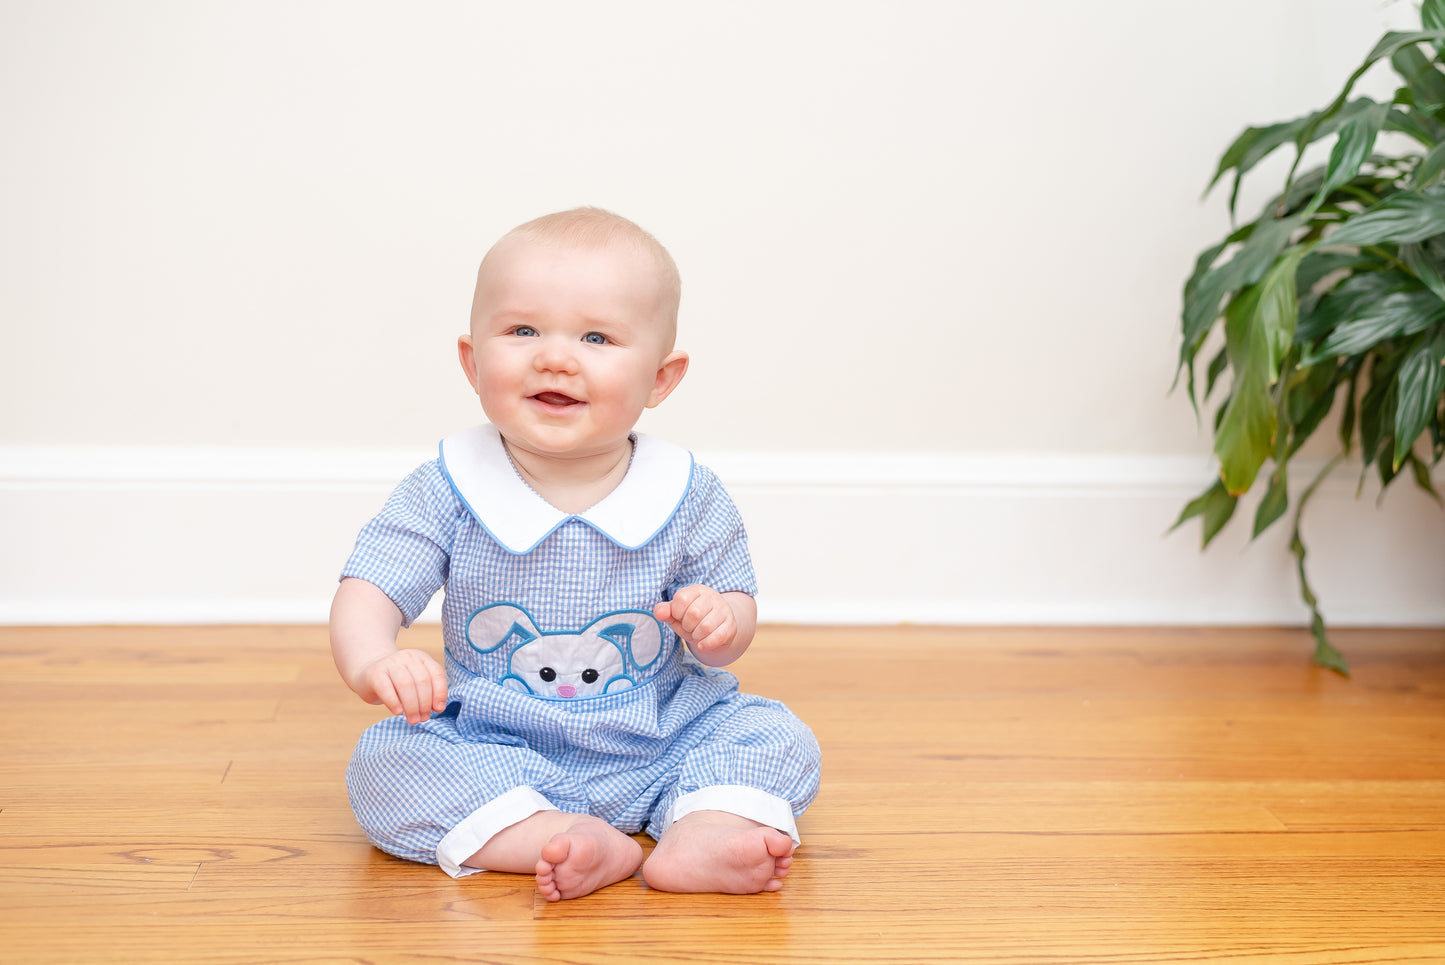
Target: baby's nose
x: 555, y: 356
x: 566, y: 690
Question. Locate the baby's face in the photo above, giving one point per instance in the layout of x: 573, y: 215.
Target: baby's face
x: 567, y: 344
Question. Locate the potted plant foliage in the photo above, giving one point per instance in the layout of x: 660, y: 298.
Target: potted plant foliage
x: 1333, y: 298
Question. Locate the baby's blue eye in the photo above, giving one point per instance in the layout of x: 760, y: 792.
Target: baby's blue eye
x: 595, y: 338
x: 525, y: 331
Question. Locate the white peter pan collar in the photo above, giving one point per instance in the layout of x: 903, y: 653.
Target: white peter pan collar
x: 476, y: 463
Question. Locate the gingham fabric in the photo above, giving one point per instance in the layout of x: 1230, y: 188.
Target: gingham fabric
x: 668, y: 736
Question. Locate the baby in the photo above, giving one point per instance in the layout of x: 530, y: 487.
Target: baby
x: 596, y: 580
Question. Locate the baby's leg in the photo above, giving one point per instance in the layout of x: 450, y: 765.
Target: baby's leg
x: 714, y: 851
x: 571, y: 854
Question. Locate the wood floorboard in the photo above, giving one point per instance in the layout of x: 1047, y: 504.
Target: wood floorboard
x: 1008, y: 796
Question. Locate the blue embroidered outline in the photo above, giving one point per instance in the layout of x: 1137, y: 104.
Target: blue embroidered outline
x: 523, y: 635
x: 621, y: 636
x: 624, y: 631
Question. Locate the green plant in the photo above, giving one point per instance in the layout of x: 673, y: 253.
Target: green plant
x: 1335, y: 293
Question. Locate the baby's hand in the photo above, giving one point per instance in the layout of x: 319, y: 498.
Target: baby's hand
x: 701, y: 616
x: 407, y: 682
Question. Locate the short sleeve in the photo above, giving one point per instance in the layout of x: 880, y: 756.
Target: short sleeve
x: 405, y: 550
x: 717, y: 542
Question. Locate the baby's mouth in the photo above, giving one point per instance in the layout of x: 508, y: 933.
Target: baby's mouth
x: 556, y: 399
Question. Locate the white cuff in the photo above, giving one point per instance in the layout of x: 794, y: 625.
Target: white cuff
x: 745, y: 802
x: 477, y: 828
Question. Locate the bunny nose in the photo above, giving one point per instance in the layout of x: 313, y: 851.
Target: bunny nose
x: 566, y: 690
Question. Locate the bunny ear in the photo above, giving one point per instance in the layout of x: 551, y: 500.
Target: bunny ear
x: 498, y: 624
x: 636, y: 632
x: 647, y: 643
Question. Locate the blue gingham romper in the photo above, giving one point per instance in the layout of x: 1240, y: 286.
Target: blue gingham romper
x: 563, y: 691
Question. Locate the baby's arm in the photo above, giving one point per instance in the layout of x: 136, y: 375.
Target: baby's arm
x: 364, y: 625
x: 717, y: 627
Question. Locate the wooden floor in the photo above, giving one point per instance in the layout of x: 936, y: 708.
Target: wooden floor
x: 1009, y: 796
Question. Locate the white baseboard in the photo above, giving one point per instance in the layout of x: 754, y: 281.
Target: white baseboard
x: 256, y: 536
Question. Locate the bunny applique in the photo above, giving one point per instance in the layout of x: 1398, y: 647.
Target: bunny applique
x: 612, y: 653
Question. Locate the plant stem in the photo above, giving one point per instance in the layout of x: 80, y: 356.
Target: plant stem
x: 1326, y: 654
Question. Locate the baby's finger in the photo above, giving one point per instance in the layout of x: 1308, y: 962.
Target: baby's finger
x: 695, y: 610
x: 386, y: 695
x: 714, y: 633
x: 429, y: 686
x: 674, y: 613
x: 438, y: 687
x: 683, y: 625
x: 701, y: 620
x: 407, y: 693
x: 694, y: 596
x: 424, y: 690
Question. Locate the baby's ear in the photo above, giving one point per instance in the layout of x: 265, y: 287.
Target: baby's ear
x: 467, y: 355
x: 669, y: 373
x: 492, y: 626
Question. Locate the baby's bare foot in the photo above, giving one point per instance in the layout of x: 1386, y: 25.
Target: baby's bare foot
x: 713, y: 851
x: 591, y: 854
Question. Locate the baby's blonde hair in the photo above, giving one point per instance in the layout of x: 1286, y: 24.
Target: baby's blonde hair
x: 589, y: 227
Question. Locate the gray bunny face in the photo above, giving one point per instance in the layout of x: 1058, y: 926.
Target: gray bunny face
x: 610, y: 654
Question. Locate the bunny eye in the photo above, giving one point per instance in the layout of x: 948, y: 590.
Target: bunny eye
x: 589, y: 676
x: 547, y: 674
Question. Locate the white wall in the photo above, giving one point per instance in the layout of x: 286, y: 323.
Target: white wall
x: 948, y: 234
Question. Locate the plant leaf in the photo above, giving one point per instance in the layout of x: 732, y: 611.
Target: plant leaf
x: 1432, y: 17
x: 1386, y: 47
x: 1215, y: 504
x: 1414, y: 124
x: 1310, y: 399
x: 1426, y: 83
x: 1266, y: 239
x: 1420, y: 383
x: 1424, y: 268
x: 1254, y: 144
x: 1275, y: 502
x: 1320, y: 263
x: 1326, y: 654
x: 1401, y: 218
x: 1278, y: 309
x: 1430, y: 167
x: 1244, y: 436
x: 1377, y: 412
x: 1202, y: 266
x: 1206, y: 259
x: 1397, y: 314
x: 1217, y: 365
x: 1437, y: 435
x: 1422, y: 477
x: 1258, y: 331
x: 1350, y: 415
x: 1356, y: 139
x: 1385, y: 467
x: 1347, y: 300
